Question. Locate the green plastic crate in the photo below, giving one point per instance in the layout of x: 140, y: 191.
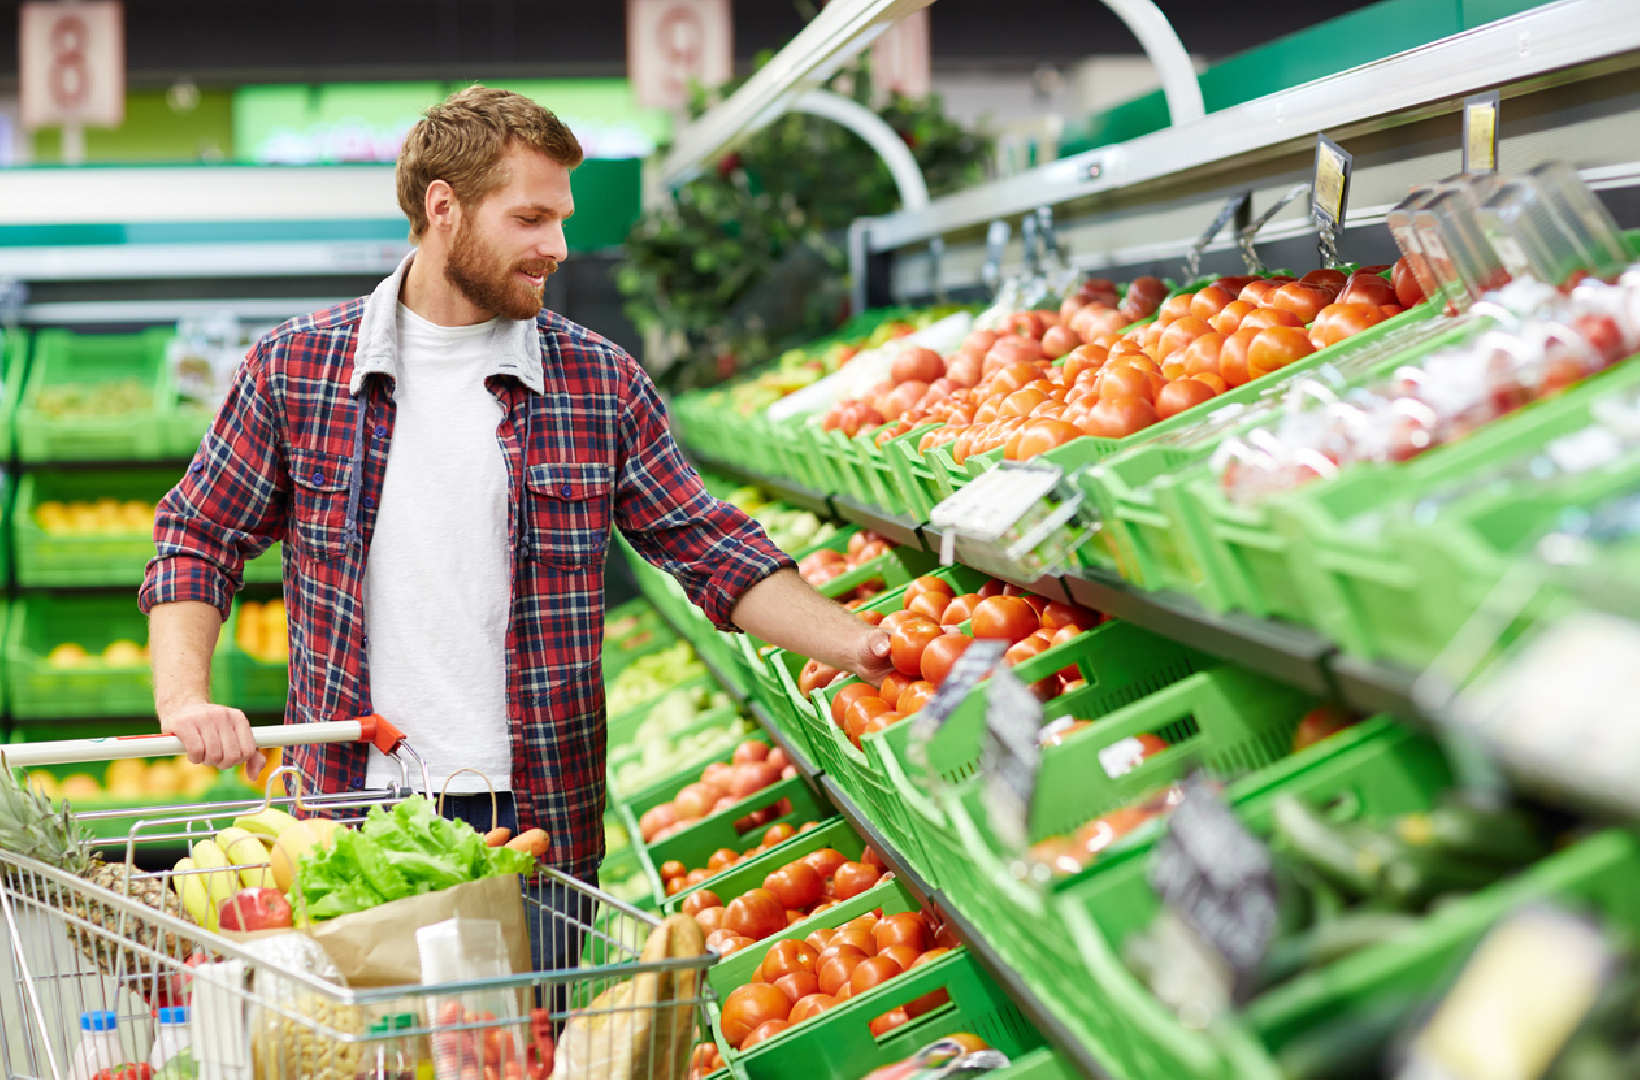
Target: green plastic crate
x: 791, y: 709
x: 748, y: 874
x: 1225, y: 720
x: 914, y: 488
x: 14, y: 365
x: 1395, y: 771
x: 117, y: 558
x: 1121, y: 663
x: 62, y: 359
x: 39, y: 689
x: 838, y: 1045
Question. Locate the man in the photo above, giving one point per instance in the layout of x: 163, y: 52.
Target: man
x: 444, y: 460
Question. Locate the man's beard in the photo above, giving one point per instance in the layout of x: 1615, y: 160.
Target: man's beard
x: 477, y: 272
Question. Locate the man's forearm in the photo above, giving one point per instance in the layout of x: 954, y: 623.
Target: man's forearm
x: 784, y: 610
x: 181, y: 638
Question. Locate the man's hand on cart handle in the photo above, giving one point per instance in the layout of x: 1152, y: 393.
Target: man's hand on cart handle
x: 214, y: 735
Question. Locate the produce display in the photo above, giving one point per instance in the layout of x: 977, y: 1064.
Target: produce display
x: 102, y: 517
x: 262, y: 631
x: 669, y: 734
x: 129, y: 779
x: 103, y: 399
x: 752, y: 767
x: 649, y: 677
x: 120, y: 653
x: 805, y: 886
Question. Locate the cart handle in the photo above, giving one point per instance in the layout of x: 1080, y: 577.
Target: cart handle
x: 372, y: 729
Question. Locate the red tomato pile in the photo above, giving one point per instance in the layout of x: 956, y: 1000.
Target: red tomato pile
x: 753, y: 767
x: 925, y: 638
x: 805, y: 886
x: 677, y: 877
x: 800, y: 979
x: 820, y: 567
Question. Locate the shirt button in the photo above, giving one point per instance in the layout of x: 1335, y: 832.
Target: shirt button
x: 357, y: 783
x: 197, y: 467
x: 381, y: 431
x: 318, y: 478
x: 368, y: 501
x: 367, y: 639
x: 565, y: 491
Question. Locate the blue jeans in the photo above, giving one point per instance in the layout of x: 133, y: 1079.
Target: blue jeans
x: 555, y: 933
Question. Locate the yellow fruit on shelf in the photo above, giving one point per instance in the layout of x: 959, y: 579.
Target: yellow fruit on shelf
x: 163, y: 779
x: 193, y: 780
x: 124, y: 653
x: 126, y: 778
x: 45, y: 783
x: 68, y: 655
x: 81, y: 786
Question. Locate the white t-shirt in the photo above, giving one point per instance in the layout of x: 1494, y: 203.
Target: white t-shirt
x: 438, y: 581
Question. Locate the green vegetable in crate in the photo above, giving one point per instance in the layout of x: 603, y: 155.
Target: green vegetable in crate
x: 1346, y: 885
x: 650, y: 676
x: 97, y: 399
x: 407, y: 852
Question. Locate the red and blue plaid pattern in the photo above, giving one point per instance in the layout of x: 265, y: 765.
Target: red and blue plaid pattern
x: 279, y: 463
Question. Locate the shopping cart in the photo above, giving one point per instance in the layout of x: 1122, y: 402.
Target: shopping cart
x: 256, y: 1012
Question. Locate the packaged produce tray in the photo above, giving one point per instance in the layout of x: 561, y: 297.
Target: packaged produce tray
x: 118, y: 387
x: 1388, y: 770
x: 838, y: 1044
x: 89, y: 687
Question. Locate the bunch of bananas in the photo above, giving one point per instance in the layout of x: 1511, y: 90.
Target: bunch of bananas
x: 236, y: 858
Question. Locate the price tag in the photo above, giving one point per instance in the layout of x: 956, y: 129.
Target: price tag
x: 1011, y: 756
x: 976, y: 662
x: 1330, y: 194
x: 1480, y: 133
x: 1217, y: 878
x: 1232, y: 207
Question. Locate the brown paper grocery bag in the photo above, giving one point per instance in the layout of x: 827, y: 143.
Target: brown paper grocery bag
x: 378, y: 947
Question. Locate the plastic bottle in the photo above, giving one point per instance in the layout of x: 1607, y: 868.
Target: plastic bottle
x: 385, y: 1055
x: 172, y: 1037
x: 99, y: 1046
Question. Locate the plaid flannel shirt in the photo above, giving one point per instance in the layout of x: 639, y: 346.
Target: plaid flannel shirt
x: 298, y: 452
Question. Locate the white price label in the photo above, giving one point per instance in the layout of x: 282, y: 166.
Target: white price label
x: 71, y: 63
x: 672, y: 44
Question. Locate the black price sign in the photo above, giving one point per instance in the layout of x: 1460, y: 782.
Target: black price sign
x: 1217, y: 878
x: 1330, y: 194
x: 1233, y: 207
x: 972, y: 666
x: 1011, y: 756
x: 1480, y: 133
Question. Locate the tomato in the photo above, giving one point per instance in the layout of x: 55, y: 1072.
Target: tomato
x: 890, y: 1020
x: 1004, y: 618
x: 1057, y: 616
x: 862, y: 709
x: 1021, y: 402
x: 748, y: 1008
x: 916, y: 365
x: 1174, y: 307
x: 1339, y: 321
x: 852, y: 879
x: 1408, y: 293
x: 914, y: 697
x: 1319, y: 724
x: 1119, y: 416
x: 764, y: 1032
x: 872, y: 972
x: 1330, y: 280
x: 1270, y: 316
x: 1021, y: 651
x: 907, y: 641
x: 1124, y: 380
x: 1181, y: 333
x: 1233, y: 356
x: 930, y: 956
x: 1202, y: 355
x: 846, y: 697
x: 1364, y: 288
x: 1043, y: 435
x: 937, y: 659
x: 1275, y: 348
x: 925, y: 584
x: 810, y: 1007
x: 1180, y: 395
x: 1215, y: 383
x: 921, y: 1006
x: 1228, y: 320
x: 1084, y: 358
x: 755, y: 914
x: 904, y: 928
x: 710, y: 919
x: 796, y: 885
x: 1014, y: 376
x: 786, y: 957
x: 698, y: 901
x: 836, y: 968
x: 672, y: 868
x: 1255, y: 292
x: 931, y: 605
x: 1059, y: 340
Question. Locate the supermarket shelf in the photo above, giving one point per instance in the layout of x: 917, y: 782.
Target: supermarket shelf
x: 900, y: 528
x: 1291, y: 654
x: 1052, y: 588
x: 81, y: 312
x: 1425, y: 81
x: 902, y: 870
x: 840, y: 31
x: 1371, y: 687
x: 1072, y: 1048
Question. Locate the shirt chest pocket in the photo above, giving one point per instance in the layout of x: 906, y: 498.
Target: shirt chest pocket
x: 569, y: 508
x: 319, y: 485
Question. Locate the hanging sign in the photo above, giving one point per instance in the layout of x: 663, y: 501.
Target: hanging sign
x: 1480, y: 133
x: 1330, y: 194
x: 672, y: 44
x: 71, y: 63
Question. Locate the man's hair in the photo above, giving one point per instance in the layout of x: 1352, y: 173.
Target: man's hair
x: 461, y: 141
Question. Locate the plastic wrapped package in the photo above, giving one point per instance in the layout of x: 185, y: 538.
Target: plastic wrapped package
x: 295, y: 1030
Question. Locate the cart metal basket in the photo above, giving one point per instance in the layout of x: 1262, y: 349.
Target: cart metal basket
x: 77, y: 947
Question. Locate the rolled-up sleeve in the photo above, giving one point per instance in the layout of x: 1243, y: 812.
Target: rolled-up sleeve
x: 228, y: 507
x: 713, y: 549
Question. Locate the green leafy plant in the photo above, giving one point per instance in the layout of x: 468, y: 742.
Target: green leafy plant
x: 750, y: 259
